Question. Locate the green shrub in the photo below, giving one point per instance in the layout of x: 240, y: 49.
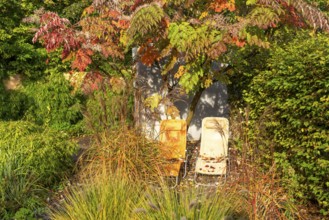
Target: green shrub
x: 31, y: 159
x: 46, y: 153
x: 47, y: 101
x: 289, y: 111
x: 52, y: 103
x: 12, y: 104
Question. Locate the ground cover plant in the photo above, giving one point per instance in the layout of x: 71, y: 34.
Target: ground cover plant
x: 31, y: 159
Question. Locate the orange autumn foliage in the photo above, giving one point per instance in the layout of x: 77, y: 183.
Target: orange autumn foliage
x: 148, y: 54
x: 221, y: 5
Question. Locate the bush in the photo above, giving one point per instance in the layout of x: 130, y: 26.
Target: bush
x: 46, y: 153
x: 51, y: 103
x: 289, y: 110
x: 12, y: 104
x: 47, y: 101
x: 31, y: 158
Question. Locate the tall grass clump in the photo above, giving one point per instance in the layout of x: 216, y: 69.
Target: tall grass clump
x: 47, y: 152
x: 108, y: 108
x: 20, y: 190
x: 122, y: 149
x: 31, y: 159
x: 117, y: 197
x: 102, y: 198
x: 264, y: 196
x: 192, y: 203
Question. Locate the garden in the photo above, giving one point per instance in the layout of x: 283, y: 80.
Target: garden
x: 72, y: 147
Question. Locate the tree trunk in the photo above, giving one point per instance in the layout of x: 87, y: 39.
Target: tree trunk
x: 192, y: 107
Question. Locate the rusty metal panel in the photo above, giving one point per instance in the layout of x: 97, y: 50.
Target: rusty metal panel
x: 173, y: 144
x: 214, y: 146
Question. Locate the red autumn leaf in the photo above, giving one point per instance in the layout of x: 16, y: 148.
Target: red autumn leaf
x: 237, y: 42
x: 109, y: 49
x: 292, y: 16
x: 122, y: 24
x: 82, y: 59
x: 89, y: 10
x: 148, y: 54
x: 113, y: 14
x: 92, y: 81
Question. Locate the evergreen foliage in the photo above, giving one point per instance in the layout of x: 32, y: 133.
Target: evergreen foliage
x: 31, y: 159
x: 290, y: 100
x: 51, y: 103
x: 12, y: 104
x: 48, y: 100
